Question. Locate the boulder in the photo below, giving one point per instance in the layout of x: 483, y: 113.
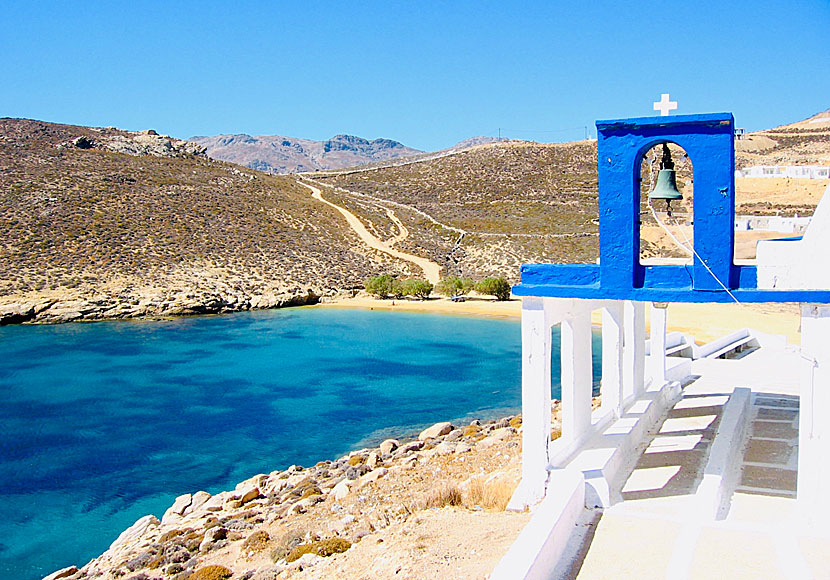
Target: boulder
x: 341, y: 490
x: 250, y: 494
x: 495, y: 437
x: 16, y: 313
x: 389, y: 446
x: 373, y: 460
x: 373, y: 476
x: 444, y: 448
x: 200, y: 498
x: 136, y: 530
x: 62, y: 573
x: 177, y: 509
x: 436, y: 430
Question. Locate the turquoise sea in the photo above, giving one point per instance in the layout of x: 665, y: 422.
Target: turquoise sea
x: 103, y: 423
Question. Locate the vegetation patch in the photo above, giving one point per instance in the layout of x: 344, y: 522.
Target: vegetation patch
x: 324, y: 548
x: 212, y: 572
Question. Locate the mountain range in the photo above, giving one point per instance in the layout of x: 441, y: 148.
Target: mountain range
x: 278, y: 154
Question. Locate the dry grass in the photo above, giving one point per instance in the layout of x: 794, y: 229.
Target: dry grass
x: 491, y: 495
x: 447, y: 494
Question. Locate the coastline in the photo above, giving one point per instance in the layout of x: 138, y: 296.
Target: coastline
x: 705, y: 322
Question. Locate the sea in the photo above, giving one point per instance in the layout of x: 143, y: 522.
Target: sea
x: 102, y: 423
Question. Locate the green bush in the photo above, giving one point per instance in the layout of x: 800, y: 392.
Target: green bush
x: 380, y: 286
x: 498, y: 287
x: 450, y: 286
x: 417, y: 288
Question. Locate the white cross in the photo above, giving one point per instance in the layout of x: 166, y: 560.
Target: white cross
x: 664, y: 105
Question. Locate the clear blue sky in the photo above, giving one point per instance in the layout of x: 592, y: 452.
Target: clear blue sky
x: 425, y: 73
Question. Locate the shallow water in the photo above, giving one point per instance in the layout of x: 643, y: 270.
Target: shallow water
x: 103, y: 423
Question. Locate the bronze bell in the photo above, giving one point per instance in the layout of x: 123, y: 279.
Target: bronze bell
x: 666, y: 186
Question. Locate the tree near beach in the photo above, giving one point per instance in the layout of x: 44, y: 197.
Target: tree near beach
x: 455, y: 286
x: 498, y: 287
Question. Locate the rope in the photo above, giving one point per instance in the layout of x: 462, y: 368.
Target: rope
x: 691, y: 250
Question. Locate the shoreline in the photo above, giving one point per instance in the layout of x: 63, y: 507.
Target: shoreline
x: 705, y: 322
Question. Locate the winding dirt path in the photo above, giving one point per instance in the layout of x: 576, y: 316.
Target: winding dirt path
x: 432, y: 271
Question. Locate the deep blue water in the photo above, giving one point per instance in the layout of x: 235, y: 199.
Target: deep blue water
x: 103, y: 423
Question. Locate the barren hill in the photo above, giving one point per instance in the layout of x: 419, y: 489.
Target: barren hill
x: 89, y: 232
x: 277, y: 154
x: 486, y: 210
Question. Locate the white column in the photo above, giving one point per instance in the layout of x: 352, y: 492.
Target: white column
x: 634, y: 339
x: 536, y: 400
x: 577, y: 377
x: 814, y: 422
x: 657, y: 332
x: 612, y: 357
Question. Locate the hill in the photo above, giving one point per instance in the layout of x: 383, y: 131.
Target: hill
x: 485, y: 210
x: 277, y: 154
x: 103, y: 223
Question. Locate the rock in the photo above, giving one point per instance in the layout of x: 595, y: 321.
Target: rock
x: 444, y: 448
x: 182, y: 503
x: 62, y: 573
x: 436, y: 430
x: 455, y: 435
x: 212, y: 536
x: 268, y: 572
x: 373, y: 476
x: 373, y: 460
x: 412, y: 446
x: 304, y: 561
x: 341, y: 490
x: 250, y: 494
x: 216, y: 503
x: 16, y: 313
x: 136, y: 530
x: 389, y: 446
x: 200, y: 498
x: 497, y: 436
x: 463, y: 447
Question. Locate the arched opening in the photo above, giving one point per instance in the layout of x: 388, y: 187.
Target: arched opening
x: 666, y: 225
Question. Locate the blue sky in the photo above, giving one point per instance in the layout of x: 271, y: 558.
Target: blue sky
x: 425, y: 73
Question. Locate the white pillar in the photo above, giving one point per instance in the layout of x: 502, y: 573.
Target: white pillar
x: 536, y: 400
x: 634, y: 339
x: 612, y: 357
x: 814, y: 420
x: 577, y: 377
x: 657, y: 332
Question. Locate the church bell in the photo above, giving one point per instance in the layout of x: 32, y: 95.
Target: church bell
x: 666, y: 186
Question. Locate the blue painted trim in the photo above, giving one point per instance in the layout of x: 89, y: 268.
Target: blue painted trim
x: 673, y: 294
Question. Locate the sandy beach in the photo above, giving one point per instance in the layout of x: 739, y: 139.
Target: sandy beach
x: 704, y: 321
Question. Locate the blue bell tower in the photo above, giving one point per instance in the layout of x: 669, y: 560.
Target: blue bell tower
x: 709, y: 142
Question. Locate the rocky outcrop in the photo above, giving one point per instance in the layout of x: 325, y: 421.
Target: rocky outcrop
x: 143, y: 143
x: 71, y: 309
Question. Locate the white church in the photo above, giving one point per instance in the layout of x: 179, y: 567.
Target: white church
x: 703, y: 461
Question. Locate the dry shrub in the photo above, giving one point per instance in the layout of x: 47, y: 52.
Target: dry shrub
x: 323, y: 548
x: 491, y: 495
x: 286, y: 543
x: 446, y: 494
x: 555, y: 432
x: 516, y: 421
x: 212, y: 572
x: 256, y: 542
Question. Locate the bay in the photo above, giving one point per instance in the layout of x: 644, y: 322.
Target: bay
x: 103, y: 423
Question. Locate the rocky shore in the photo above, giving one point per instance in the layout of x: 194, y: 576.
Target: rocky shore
x: 156, y: 305
x: 429, y: 507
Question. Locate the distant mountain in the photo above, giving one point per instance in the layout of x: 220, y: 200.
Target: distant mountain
x: 277, y: 154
